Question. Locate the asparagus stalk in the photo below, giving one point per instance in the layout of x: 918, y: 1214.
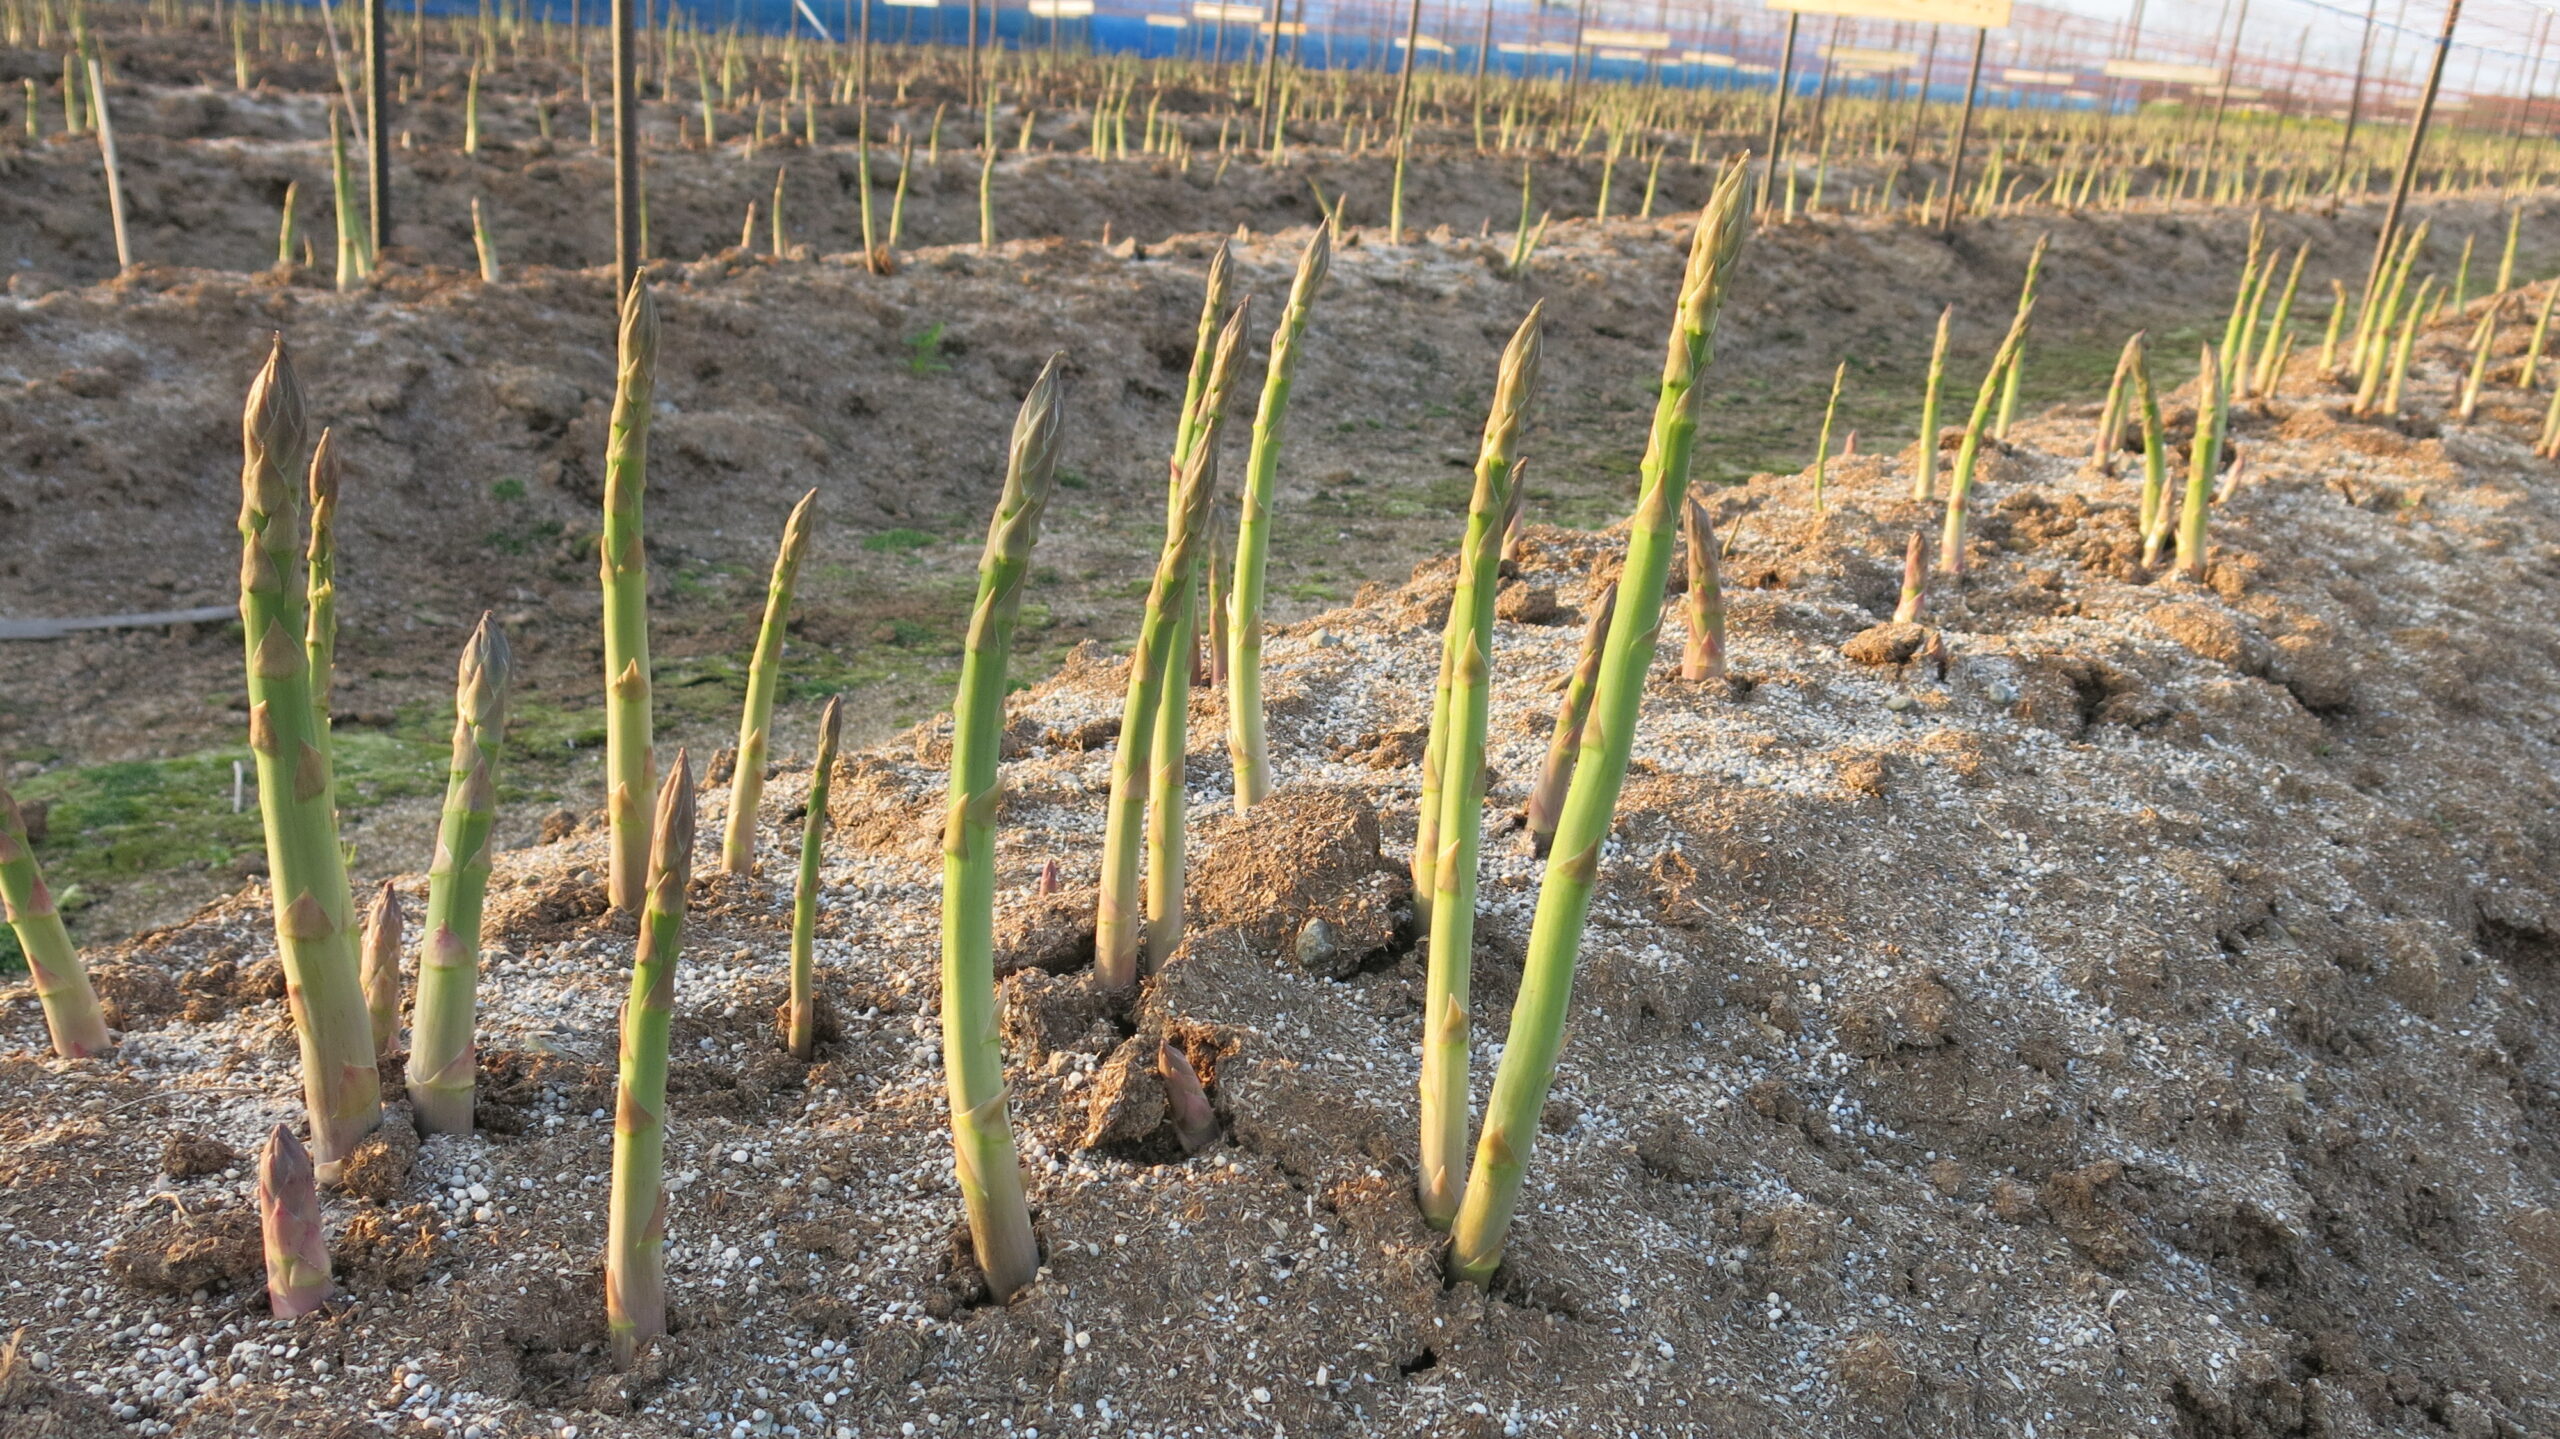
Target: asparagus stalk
x: 297, y: 801
x: 2204, y: 458
x: 625, y: 570
x: 1246, y: 740
x: 1466, y: 679
x: 2102, y: 450
x: 71, y: 1013
x: 2483, y: 338
x: 635, y: 1279
x: 2155, y: 444
x: 1564, y: 899
x: 1119, y: 915
x: 1822, y: 446
x: 443, y: 1062
x: 2017, y: 364
x: 1924, y: 483
x: 2533, y: 348
x: 972, y: 1060
x: 1915, y: 580
x: 320, y: 559
x: 803, y: 1023
x: 381, y: 965
x: 1546, y: 799
x: 1702, y: 658
x: 2407, y: 346
x: 1195, y: 1123
x: 764, y: 672
x: 289, y: 1220
x: 2269, y: 369
x: 1170, y: 736
x: 1960, y: 484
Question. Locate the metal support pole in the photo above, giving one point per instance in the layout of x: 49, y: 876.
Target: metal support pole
x: 1964, y: 133
x: 377, y: 122
x: 1778, y: 108
x: 626, y: 151
x: 2417, y: 144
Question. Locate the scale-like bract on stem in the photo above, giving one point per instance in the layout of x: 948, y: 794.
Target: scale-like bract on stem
x: 1246, y: 743
x: 71, y: 1014
x: 625, y: 569
x: 1463, y: 710
x: 1536, y: 1037
x: 764, y: 673
x: 443, y: 1059
x: 800, y: 1024
x: 635, y: 1255
x: 972, y: 1058
x: 297, y: 1243
x: 297, y: 797
x: 1555, y: 776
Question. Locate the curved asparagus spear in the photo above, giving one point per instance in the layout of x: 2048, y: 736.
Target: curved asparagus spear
x: 1564, y: 898
x: 380, y: 965
x: 443, y: 1062
x: 635, y: 1278
x: 289, y: 1220
x: 625, y: 566
x: 1466, y: 676
x: 314, y: 913
x: 2017, y: 366
x: 803, y: 1026
x: 320, y: 631
x: 1546, y: 800
x: 972, y: 1060
x: 71, y: 1013
x: 764, y: 672
x: 1960, y: 483
x: 1119, y: 917
x: 1170, y: 737
x: 1245, y: 732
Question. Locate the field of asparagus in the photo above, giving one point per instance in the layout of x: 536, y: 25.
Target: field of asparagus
x: 1182, y: 748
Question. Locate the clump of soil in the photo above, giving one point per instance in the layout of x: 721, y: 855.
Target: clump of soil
x: 2130, y: 999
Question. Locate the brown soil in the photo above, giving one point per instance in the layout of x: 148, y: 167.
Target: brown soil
x: 2133, y: 1012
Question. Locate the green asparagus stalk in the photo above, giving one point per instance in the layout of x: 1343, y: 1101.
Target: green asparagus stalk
x: 2507, y: 255
x: 1915, y: 580
x: 764, y: 673
x: 2235, y: 325
x: 1822, y: 446
x: 2269, y: 369
x: 2017, y: 363
x: 1546, y: 798
x: 1960, y: 484
x: 297, y: 799
x: 443, y: 1060
x: 2532, y: 360
x: 284, y: 220
x: 297, y: 1244
x: 972, y: 1060
x: 2483, y: 338
x: 381, y: 965
x: 342, y: 187
x: 1702, y: 658
x: 2204, y: 460
x: 2329, y: 335
x: 1924, y: 482
x: 802, y: 1025
x: 625, y: 569
x: 2155, y: 442
x: 1466, y: 679
x: 71, y: 1013
x: 1564, y: 898
x: 635, y: 1277
x: 2548, y: 445
x: 2102, y: 452
x: 1247, y: 746
x: 2407, y: 346
x: 320, y: 629
x: 483, y: 245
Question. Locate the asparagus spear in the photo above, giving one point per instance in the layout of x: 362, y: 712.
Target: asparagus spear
x: 764, y: 672
x: 626, y: 598
x: 803, y: 1025
x: 2017, y: 367
x: 1702, y: 658
x: 972, y: 1060
x: 1466, y: 680
x: 1245, y: 733
x: 380, y: 954
x: 1564, y: 899
x: 320, y: 558
x: 1915, y: 580
x: 1195, y: 1122
x: 635, y: 1279
x: 443, y: 1062
x: 314, y: 912
x: 1118, y: 934
x: 71, y: 1013
x: 1960, y: 484
x: 1546, y: 800
x: 1924, y: 482
x: 2204, y: 459
x: 289, y: 1220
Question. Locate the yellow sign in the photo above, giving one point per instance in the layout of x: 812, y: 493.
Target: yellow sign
x: 2163, y: 72
x: 2015, y: 76
x: 1979, y: 14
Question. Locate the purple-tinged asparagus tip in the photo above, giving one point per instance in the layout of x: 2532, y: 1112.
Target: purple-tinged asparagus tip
x: 1049, y: 879
x: 1194, y: 1122
x: 289, y: 1218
